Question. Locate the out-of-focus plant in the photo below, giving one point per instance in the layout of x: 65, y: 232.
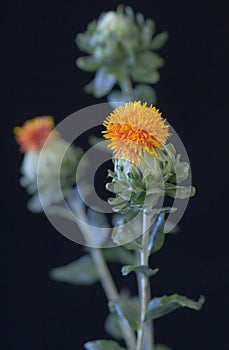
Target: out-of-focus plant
x: 31, y: 137
x: 121, y: 49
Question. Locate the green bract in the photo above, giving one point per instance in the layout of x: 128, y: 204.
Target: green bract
x: 120, y: 45
x: 141, y: 186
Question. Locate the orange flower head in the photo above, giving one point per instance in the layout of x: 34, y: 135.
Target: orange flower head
x: 134, y: 128
x: 33, y: 134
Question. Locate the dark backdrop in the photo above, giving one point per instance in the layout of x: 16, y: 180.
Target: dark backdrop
x: 39, y: 77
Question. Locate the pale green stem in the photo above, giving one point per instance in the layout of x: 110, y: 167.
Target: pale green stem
x: 126, y: 87
x: 105, y: 277
x: 145, y: 333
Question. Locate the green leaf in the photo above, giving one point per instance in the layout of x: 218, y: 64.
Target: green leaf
x: 83, y: 43
x: 145, y: 68
x: 81, y: 271
x: 119, y: 254
x: 181, y: 171
x: 112, y: 326
x: 161, y: 306
x: 88, y: 63
x: 157, y: 235
x: 145, y: 93
x: 159, y: 41
x: 148, y: 30
x: 124, y: 234
x: 129, y: 310
x: 134, y: 245
x: 118, y: 70
x: 103, y: 345
x: 180, y: 192
x: 103, y: 83
x: 139, y: 269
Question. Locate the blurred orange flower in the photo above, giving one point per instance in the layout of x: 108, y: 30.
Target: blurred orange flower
x: 33, y: 134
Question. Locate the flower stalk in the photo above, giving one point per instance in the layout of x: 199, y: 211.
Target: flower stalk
x: 146, y: 329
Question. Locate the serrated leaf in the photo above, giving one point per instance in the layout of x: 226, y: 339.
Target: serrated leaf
x: 157, y: 235
x: 103, y: 83
x: 112, y: 326
x: 161, y: 306
x: 159, y: 41
x: 139, y: 269
x: 103, y: 345
x: 129, y: 310
x: 81, y: 271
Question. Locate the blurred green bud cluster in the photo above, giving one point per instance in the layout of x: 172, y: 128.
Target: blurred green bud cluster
x: 141, y: 186
x: 53, y: 169
x: 120, y: 47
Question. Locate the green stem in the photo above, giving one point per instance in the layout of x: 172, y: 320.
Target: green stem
x: 145, y: 333
x: 105, y: 277
x: 126, y: 87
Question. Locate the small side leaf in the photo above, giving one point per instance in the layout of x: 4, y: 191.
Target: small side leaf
x: 88, y: 63
x: 81, y: 271
x: 103, y: 345
x: 159, y: 41
x: 139, y: 269
x: 162, y: 306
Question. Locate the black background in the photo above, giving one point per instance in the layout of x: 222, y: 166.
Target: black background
x: 39, y: 77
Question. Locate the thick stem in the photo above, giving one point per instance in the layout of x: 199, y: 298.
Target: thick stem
x: 145, y: 333
x: 105, y: 277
